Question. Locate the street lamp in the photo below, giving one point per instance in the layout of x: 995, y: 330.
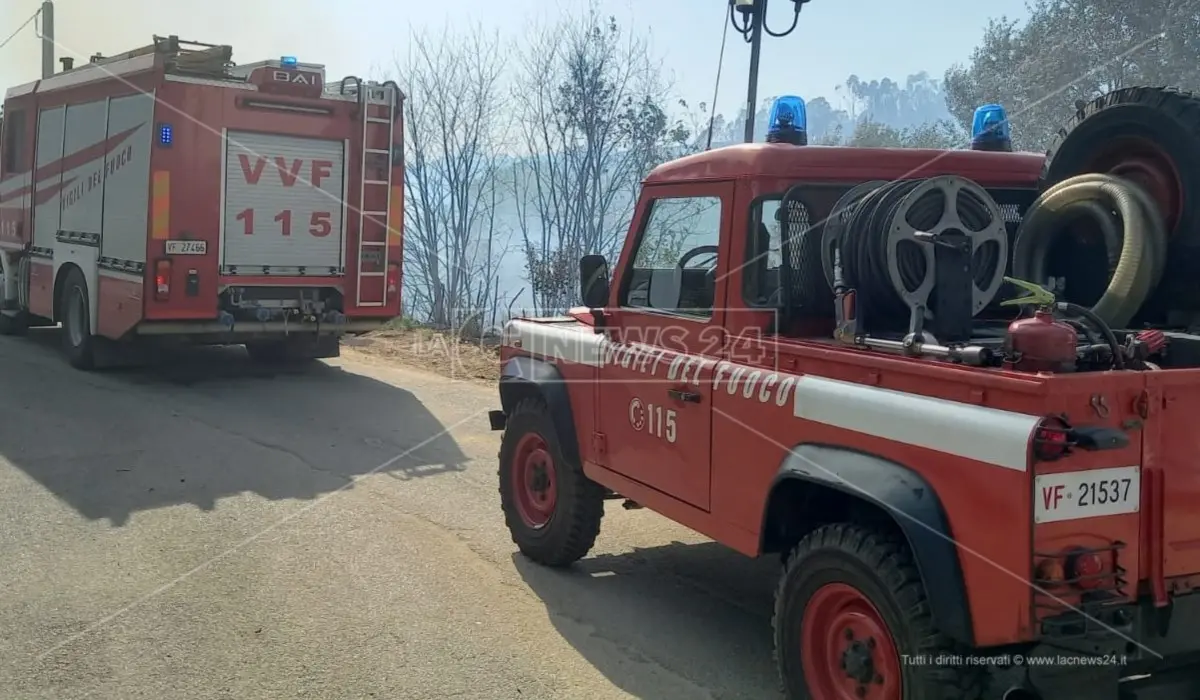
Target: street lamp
x: 752, y: 26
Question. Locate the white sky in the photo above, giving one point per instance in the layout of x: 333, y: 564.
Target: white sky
x: 873, y: 38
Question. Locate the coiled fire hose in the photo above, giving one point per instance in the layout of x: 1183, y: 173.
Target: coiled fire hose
x: 883, y: 258
x: 1137, y: 252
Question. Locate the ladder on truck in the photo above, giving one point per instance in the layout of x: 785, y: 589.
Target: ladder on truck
x: 373, y: 98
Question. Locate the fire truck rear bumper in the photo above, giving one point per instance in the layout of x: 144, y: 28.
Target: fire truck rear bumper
x: 253, y: 328
x: 1137, y: 652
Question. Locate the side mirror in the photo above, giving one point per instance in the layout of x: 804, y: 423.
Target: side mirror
x: 593, y: 281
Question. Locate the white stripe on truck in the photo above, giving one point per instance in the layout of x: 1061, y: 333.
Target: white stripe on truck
x: 988, y: 435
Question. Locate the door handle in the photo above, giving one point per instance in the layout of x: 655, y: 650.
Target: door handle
x: 681, y: 395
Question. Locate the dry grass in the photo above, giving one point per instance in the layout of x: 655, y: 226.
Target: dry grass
x: 440, y: 352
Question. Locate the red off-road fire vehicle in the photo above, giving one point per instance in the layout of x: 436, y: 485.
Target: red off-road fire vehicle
x: 821, y: 352
x: 168, y: 193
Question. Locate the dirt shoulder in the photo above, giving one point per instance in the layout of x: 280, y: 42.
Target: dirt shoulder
x: 440, y: 352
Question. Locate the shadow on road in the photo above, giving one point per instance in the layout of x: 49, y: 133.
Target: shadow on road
x: 700, y: 611
x: 201, y: 424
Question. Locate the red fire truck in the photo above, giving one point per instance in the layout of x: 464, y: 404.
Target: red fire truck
x: 168, y: 193
x: 822, y: 353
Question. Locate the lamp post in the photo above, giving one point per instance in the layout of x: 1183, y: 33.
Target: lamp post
x: 752, y: 26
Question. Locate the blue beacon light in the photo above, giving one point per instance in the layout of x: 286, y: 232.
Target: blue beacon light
x: 166, y: 135
x: 990, y: 130
x: 788, y: 122
x: 288, y: 62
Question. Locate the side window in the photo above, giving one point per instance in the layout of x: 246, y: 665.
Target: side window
x: 14, y: 140
x: 764, y: 254
x: 764, y: 249
x: 675, y: 264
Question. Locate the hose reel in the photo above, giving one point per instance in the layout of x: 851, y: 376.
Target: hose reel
x: 1130, y: 224
x: 936, y: 248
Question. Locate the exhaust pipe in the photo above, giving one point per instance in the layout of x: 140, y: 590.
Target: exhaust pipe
x: 1019, y: 692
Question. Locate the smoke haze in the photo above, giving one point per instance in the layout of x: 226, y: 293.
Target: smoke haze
x: 257, y: 30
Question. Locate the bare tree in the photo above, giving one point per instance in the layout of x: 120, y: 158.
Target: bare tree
x: 455, y: 129
x: 593, y: 122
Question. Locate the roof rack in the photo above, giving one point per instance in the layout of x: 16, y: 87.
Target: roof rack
x: 181, y: 56
x: 195, y: 58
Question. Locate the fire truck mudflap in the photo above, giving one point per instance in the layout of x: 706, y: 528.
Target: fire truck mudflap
x: 284, y: 200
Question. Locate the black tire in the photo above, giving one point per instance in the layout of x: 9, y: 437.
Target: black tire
x: 573, y: 521
x: 76, y: 316
x: 1149, y: 125
x: 878, y: 568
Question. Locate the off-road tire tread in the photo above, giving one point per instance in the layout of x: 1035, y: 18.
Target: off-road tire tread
x: 888, y: 555
x: 1182, y: 105
x: 579, y: 507
x: 1182, y: 108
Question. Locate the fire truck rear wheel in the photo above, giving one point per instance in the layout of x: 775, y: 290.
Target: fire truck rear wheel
x: 551, y: 508
x: 851, y: 617
x: 75, y: 313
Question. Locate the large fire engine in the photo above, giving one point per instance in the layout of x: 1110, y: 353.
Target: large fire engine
x: 825, y: 353
x: 168, y: 193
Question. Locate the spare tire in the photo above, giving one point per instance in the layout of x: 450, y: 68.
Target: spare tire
x: 1150, y: 135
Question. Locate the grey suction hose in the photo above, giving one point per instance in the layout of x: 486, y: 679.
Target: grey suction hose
x: 1143, y: 241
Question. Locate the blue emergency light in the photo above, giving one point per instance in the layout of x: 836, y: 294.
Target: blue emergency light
x: 990, y: 130
x: 288, y: 62
x: 166, y: 135
x: 788, y: 122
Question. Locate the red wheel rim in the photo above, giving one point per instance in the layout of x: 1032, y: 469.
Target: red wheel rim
x: 534, y: 482
x: 846, y: 649
x: 1143, y: 162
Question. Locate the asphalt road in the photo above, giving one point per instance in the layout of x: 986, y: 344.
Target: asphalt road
x: 205, y: 529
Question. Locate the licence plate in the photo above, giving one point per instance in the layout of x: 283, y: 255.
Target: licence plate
x: 1087, y: 494
x: 187, y: 247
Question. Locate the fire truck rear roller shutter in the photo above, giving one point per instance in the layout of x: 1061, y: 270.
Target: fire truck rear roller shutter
x: 893, y: 488
x: 306, y: 194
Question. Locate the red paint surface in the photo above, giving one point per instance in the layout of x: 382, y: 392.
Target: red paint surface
x: 833, y: 163
x: 41, y: 288
x: 118, y: 305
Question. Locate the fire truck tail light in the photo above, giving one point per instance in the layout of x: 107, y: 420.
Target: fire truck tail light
x: 1050, y: 572
x: 1086, y: 570
x: 1051, y: 439
x: 393, y: 279
x: 162, y: 280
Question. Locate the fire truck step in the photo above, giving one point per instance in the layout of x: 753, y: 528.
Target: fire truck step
x: 376, y: 182
x: 379, y: 120
x: 371, y: 274
x: 374, y: 213
x: 376, y: 243
x: 378, y: 151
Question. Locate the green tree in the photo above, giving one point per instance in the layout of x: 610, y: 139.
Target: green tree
x: 593, y: 117
x: 1072, y: 50
x: 941, y: 134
